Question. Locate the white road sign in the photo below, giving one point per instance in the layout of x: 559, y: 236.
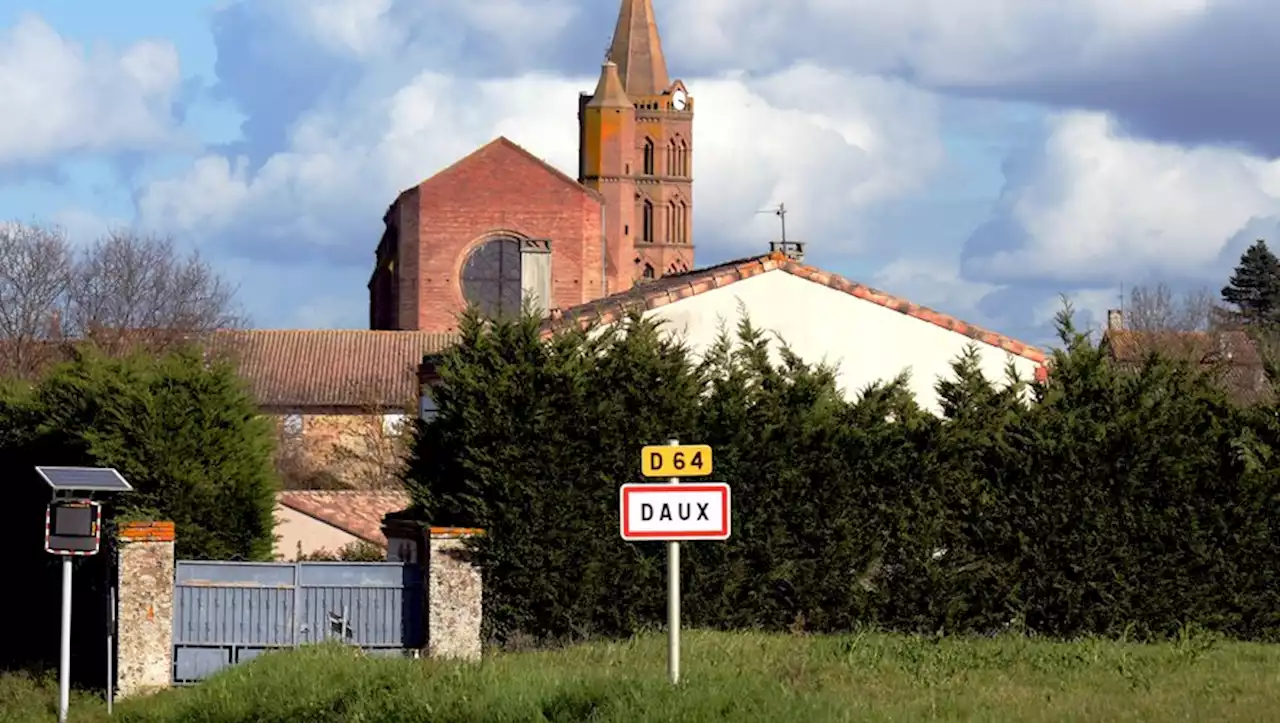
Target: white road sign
x: 675, y: 512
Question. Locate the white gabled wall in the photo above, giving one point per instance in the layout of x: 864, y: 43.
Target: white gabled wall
x: 866, y: 341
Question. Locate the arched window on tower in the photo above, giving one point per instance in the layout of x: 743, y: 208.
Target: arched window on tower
x: 673, y: 158
x: 646, y: 213
x: 491, y: 277
x: 673, y: 222
x: 682, y: 159
x: 648, y: 157
x: 682, y: 223
x: 649, y: 274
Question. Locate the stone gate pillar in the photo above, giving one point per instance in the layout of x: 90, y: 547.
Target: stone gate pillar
x: 144, y: 604
x: 454, y: 595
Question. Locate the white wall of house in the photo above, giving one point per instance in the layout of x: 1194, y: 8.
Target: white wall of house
x: 293, y: 527
x: 866, y: 341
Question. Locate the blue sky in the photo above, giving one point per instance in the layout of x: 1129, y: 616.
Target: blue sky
x: 983, y: 157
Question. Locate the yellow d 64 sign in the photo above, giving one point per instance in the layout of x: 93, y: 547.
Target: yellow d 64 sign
x: 686, y: 460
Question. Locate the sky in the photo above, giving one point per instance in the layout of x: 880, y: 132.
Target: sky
x: 985, y: 158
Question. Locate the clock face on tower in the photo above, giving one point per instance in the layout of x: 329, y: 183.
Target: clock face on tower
x: 679, y: 100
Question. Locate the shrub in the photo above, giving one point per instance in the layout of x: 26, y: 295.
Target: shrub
x: 359, y: 551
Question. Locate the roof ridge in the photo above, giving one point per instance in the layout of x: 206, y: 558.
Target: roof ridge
x: 566, y: 178
x: 507, y: 142
x: 669, y: 289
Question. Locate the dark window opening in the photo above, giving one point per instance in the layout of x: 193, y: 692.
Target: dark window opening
x: 647, y: 231
x: 648, y: 156
x: 491, y: 278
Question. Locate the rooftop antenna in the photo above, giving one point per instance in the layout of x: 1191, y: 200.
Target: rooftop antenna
x: 793, y: 249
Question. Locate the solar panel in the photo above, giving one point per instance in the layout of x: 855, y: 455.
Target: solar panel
x: 84, y: 479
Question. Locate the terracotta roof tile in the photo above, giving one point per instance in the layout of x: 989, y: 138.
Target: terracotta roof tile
x: 354, y: 512
x: 330, y: 367
x: 1195, y: 346
x: 669, y: 289
x: 1230, y: 354
x: 300, y: 368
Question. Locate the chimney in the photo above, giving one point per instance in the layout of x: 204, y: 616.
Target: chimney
x: 1115, y: 320
x: 793, y: 250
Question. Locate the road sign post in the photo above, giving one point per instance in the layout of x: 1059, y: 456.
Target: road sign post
x: 673, y: 596
x: 675, y: 512
x: 73, y: 527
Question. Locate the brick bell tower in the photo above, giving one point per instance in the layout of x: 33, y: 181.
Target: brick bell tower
x: 636, y: 148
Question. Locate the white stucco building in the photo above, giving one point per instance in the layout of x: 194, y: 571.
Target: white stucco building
x: 866, y: 334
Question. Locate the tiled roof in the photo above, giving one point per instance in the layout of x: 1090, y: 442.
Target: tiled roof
x: 1230, y: 354
x: 38, y: 355
x: 1233, y: 347
x: 290, y: 368
x: 354, y: 512
x: 670, y: 289
x: 300, y: 368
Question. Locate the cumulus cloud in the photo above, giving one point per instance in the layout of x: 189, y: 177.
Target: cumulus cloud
x: 347, y: 103
x: 976, y: 42
x: 1094, y: 206
x: 934, y: 282
x: 827, y: 144
x: 1185, y: 70
x: 60, y: 99
x: 374, y: 28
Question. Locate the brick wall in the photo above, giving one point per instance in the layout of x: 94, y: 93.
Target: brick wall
x: 499, y: 190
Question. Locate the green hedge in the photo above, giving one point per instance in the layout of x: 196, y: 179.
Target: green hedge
x: 183, y: 431
x: 1114, y: 503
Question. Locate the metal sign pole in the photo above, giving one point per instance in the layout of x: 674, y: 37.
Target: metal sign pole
x: 64, y: 664
x: 73, y: 526
x: 111, y: 647
x: 673, y: 601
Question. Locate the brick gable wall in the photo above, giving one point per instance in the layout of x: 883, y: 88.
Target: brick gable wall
x: 499, y: 190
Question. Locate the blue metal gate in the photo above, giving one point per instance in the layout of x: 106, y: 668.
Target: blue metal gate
x: 229, y: 612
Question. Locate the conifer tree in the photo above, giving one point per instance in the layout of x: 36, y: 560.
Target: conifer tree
x: 1254, y: 287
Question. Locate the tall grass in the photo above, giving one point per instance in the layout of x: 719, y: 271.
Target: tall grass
x: 733, y: 677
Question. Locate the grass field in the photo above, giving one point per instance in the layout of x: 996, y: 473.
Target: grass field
x: 728, y: 677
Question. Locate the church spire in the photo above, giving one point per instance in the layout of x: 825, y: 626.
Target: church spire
x: 637, y: 50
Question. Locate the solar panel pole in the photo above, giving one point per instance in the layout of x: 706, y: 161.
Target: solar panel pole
x: 64, y: 664
x: 65, y: 482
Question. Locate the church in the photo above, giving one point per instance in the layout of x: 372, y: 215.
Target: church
x: 501, y: 225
